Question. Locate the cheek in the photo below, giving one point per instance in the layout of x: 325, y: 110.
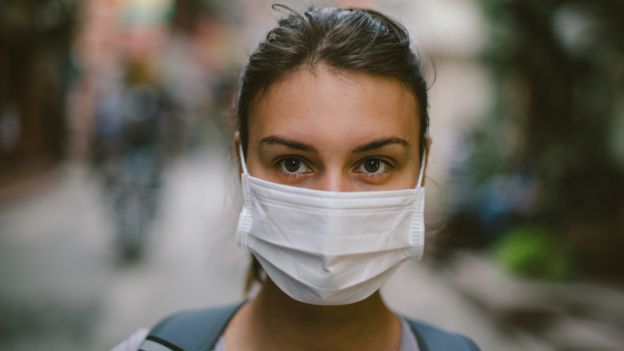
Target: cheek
x: 408, y: 177
x: 255, y: 165
x: 254, y: 132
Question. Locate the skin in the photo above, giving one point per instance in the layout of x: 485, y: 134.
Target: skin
x: 326, y: 129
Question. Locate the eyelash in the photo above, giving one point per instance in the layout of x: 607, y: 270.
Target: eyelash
x: 279, y: 164
x: 386, y: 164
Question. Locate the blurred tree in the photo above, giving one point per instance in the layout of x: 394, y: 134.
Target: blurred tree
x: 554, y: 136
x: 35, y: 39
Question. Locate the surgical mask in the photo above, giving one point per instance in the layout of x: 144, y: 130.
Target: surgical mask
x: 326, y: 247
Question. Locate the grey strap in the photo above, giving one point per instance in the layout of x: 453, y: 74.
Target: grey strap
x: 201, y: 329
x: 431, y: 338
x: 190, y: 330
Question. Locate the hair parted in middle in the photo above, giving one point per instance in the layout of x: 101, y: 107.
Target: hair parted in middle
x: 351, y: 39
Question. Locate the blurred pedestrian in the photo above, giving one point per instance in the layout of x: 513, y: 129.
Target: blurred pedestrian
x: 129, y: 152
x: 332, y: 141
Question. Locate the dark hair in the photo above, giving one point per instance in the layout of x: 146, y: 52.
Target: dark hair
x: 351, y: 39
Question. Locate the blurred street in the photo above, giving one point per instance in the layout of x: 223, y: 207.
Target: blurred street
x: 525, y: 193
x: 64, y: 289
x: 63, y: 286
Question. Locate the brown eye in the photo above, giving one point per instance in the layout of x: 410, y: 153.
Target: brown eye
x: 373, y: 167
x: 293, y: 165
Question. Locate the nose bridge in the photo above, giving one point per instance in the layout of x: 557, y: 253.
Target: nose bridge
x: 334, y: 179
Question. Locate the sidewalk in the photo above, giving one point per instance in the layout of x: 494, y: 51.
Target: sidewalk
x: 552, y: 316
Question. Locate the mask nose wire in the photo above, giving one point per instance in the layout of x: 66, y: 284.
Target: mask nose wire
x: 242, y: 159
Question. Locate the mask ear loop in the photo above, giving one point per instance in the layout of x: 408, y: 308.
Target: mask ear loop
x: 242, y: 158
x: 422, y: 170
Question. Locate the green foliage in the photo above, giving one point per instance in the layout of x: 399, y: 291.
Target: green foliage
x: 533, y: 252
x: 558, y: 78
x: 556, y: 121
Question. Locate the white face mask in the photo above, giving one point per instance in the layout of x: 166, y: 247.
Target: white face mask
x: 326, y: 247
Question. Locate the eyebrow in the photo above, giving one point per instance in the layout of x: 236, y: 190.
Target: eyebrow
x: 379, y: 143
x: 293, y: 144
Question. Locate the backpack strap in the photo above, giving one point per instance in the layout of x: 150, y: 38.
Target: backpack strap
x: 196, y: 330
x: 431, y: 338
x: 199, y: 330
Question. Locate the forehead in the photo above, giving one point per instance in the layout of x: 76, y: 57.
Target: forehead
x: 326, y: 106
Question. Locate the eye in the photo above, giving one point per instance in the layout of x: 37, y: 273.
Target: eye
x: 372, y: 166
x: 293, y: 166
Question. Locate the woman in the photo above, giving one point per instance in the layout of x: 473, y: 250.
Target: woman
x: 332, y: 142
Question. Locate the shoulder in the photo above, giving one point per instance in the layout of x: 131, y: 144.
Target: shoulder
x: 192, y: 329
x: 185, y: 321
x: 432, y: 338
x: 133, y: 342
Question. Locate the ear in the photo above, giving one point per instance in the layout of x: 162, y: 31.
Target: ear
x: 236, y: 139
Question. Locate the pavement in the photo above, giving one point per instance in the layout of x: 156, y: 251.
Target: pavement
x: 64, y: 288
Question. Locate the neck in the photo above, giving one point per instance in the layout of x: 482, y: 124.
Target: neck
x: 277, y: 322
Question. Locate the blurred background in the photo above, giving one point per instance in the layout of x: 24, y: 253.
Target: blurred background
x: 119, y: 192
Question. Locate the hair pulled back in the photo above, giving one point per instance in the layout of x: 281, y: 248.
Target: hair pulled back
x: 358, y: 40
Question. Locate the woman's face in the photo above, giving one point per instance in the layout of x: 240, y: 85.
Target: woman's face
x: 328, y: 129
